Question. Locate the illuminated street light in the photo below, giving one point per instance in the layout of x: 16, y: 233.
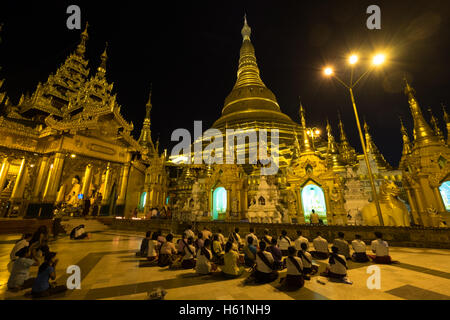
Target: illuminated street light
x: 353, y: 59
x: 328, y: 71
x: 378, y: 59
x: 313, y: 133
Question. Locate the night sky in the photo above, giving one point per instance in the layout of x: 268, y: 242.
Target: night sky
x: 189, y: 50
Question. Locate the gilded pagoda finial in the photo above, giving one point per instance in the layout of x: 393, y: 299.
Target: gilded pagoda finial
x: 406, y: 143
x: 435, y: 125
x: 333, y: 158
x: 81, y: 49
x: 149, y: 104
x: 246, y: 30
x: 104, y: 58
x: 305, y: 139
x: 445, y: 112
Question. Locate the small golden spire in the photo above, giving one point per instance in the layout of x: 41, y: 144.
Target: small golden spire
x: 446, y: 119
x: 333, y: 158
x: 104, y: 58
x: 305, y: 139
x: 81, y: 49
x: 246, y: 30
x: 435, y: 126
x: 346, y: 150
x: 423, y: 135
x: 406, y: 144
x: 373, y: 149
x: 149, y: 104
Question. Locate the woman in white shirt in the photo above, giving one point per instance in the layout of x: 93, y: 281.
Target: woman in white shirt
x: 188, y: 260
x: 381, y: 250
x: 359, y: 248
x: 337, y: 266
x: 204, y: 256
x: 294, y: 278
x: 308, y: 267
x: 265, y: 271
x: 153, y: 248
x: 284, y: 243
x: 167, y: 252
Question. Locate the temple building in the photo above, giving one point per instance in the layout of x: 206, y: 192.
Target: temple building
x: 68, y: 149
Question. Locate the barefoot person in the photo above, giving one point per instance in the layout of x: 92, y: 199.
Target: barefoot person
x: 153, y: 248
x: 284, y: 243
x: 320, y: 247
x: 267, y: 238
x: 342, y: 245
x: 308, y: 267
x: 204, y: 256
x: 42, y: 286
x: 231, y: 268
x: 20, y: 273
x: 167, y: 252
x: 381, y: 250
x: 249, y: 253
x: 294, y: 277
x: 300, y: 239
x: 188, y: 260
x: 265, y: 271
x: 143, y: 250
x: 359, y: 248
x: 22, y: 243
x: 337, y: 266
x: 252, y: 235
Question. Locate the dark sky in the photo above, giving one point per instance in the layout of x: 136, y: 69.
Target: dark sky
x: 189, y: 50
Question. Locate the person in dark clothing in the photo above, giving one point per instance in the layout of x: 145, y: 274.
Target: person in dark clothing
x: 143, y: 251
x: 42, y: 286
x: 276, y: 254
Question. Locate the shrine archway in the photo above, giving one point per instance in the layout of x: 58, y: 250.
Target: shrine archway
x: 313, y: 198
x: 445, y: 194
x: 219, y: 203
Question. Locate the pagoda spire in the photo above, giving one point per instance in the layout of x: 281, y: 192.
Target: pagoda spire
x: 423, y: 135
x: 306, y: 147
x: 81, y: 49
x: 434, y: 124
x: 407, y: 149
x: 373, y: 149
x: 101, y: 70
x: 145, y: 138
x: 333, y: 158
x: 346, y: 150
x: 447, y: 122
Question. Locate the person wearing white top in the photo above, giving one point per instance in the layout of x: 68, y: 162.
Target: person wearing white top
x: 360, y: 250
x: 22, y: 243
x: 264, y: 272
x: 309, y: 268
x: 337, y: 266
x: 189, y: 233
x: 314, y: 217
x: 267, y: 238
x: 294, y: 275
x: 342, y: 245
x: 188, y: 260
x: 252, y: 234
x: 235, y: 239
x: 221, y: 237
x: 381, y: 250
x: 153, y: 248
x: 284, y: 243
x: 298, y: 242
x: 320, y: 247
x: 204, y: 256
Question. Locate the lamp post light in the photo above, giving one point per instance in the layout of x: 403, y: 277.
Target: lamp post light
x: 378, y: 60
x: 313, y: 132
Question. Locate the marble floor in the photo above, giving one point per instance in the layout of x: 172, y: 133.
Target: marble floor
x: 111, y: 271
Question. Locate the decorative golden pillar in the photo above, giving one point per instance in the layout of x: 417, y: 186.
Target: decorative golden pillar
x: 413, y: 205
x: 420, y: 206
x: 40, y: 179
x: 106, y: 183
x: 439, y: 201
x: 330, y: 217
x: 54, y: 178
x: 4, y: 172
x: 86, y: 181
x: 18, y: 189
x: 301, y: 213
x: 124, y: 183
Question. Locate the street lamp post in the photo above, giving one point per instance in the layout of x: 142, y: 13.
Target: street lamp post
x: 377, y: 60
x: 313, y: 132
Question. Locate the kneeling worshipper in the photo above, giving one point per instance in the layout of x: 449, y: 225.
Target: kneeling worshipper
x: 235, y: 239
x: 265, y: 271
x: 204, y: 256
x: 276, y: 254
x: 294, y: 278
x: 309, y: 268
x: 320, y: 248
x: 198, y: 243
x: 167, y: 252
x: 231, y: 268
x: 143, y: 251
x: 252, y: 235
x: 381, y: 250
x: 78, y: 233
x: 20, y: 274
x: 42, y: 286
x: 22, y: 243
x: 249, y: 253
x: 266, y: 238
x: 217, y: 250
x: 153, y: 248
x: 337, y: 266
x: 360, y: 250
x: 188, y: 259
x: 342, y: 245
x: 284, y: 243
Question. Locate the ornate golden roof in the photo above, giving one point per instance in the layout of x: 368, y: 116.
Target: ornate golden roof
x: 435, y: 126
x: 333, y: 158
x: 371, y: 147
x: 406, y: 144
x: 305, y: 145
x: 345, y: 149
x: 145, y: 139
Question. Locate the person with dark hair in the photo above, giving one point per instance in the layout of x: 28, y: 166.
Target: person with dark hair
x: 204, y: 256
x: 206, y: 234
x: 276, y: 253
x: 337, y: 266
x: 231, y: 268
x: 249, y: 253
x: 267, y: 238
x: 381, y: 250
x: 321, y: 247
x: 265, y: 270
x: 22, y: 243
x: 221, y: 237
x: 342, y: 245
x: 161, y: 238
x: 42, y: 286
x: 300, y: 239
x: 153, y: 248
x: 143, y: 251
x: 359, y: 248
x: 284, y: 242
x: 309, y: 268
x: 78, y: 233
x: 314, y: 217
x: 188, y: 259
x: 252, y: 235
x: 199, y: 242
x: 167, y: 252
x: 294, y: 277
x: 235, y: 238
x: 188, y: 232
x: 217, y: 250
x: 181, y: 243
x: 20, y: 273
x: 39, y: 243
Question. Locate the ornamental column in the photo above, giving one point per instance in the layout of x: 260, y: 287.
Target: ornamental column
x: 54, y: 178
x: 86, y: 182
x: 124, y: 181
x: 18, y: 189
x: 106, y: 183
x: 413, y: 206
x: 4, y: 172
x: 40, y: 179
x: 420, y: 206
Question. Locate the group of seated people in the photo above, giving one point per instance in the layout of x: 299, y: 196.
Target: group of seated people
x: 33, y: 250
x: 209, y: 253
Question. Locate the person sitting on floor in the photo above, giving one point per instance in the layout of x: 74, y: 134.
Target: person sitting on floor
x: 276, y: 254
x: 267, y: 238
x: 206, y: 234
x: 231, y: 268
x: 42, y: 286
x: 188, y: 259
x: 381, y: 250
x: 249, y: 253
x: 337, y: 266
x: 161, y: 238
x: 143, y: 251
x: 284, y: 243
x: 235, y: 239
x: 199, y: 242
x: 309, y: 268
x: 320, y: 248
x: 360, y: 250
x: 300, y: 239
x: 39, y: 243
x: 294, y: 277
x: 181, y: 243
x: 221, y: 237
x: 153, y: 248
x: 78, y: 233
x: 204, y: 256
x: 217, y: 250
x: 22, y: 243
x: 20, y: 274
x: 252, y: 235
x: 265, y: 270
x: 188, y: 232
x: 342, y: 245
x: 167, y: 252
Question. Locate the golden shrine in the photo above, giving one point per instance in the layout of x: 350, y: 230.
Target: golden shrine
x: 67, y: 147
